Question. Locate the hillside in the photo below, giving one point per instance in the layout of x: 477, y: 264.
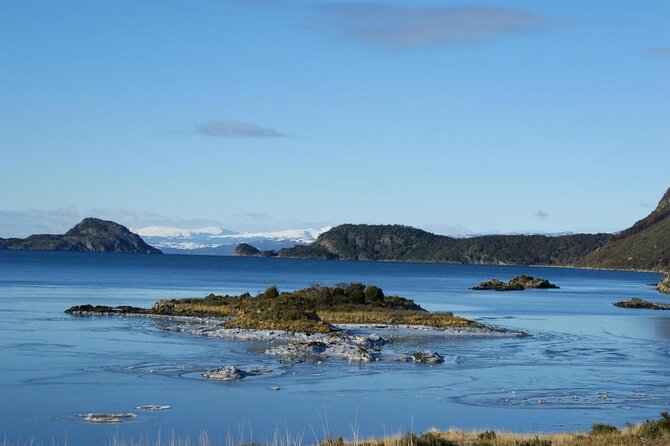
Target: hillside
x: 91, y: 234
x: 643, y: 246
x: 404, y: 243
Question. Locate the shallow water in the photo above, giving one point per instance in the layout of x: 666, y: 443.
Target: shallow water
x: 586, y: 361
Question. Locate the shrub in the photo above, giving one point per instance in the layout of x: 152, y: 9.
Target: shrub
x: 601, y: 429
x: 373, y: 294
x: 487, y: 435
x: 271, y: 292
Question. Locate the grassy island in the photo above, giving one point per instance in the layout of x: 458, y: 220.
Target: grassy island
x: 310, y: 310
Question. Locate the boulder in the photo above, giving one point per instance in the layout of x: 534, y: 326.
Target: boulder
x: 225, y: 373
x: 425, y: 357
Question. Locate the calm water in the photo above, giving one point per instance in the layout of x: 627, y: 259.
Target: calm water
x: 585, y: 362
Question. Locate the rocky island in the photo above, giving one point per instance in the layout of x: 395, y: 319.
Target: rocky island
x: 636, y: 302
x: 351, y: 321
x: 90, y: 235
x: 517, y: 283
x: 247, y: 250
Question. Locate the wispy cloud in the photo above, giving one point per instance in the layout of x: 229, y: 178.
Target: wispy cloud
x: 659, y: 51
x: 236, y: 129
x: 540, y: 214
x: 419, y: 26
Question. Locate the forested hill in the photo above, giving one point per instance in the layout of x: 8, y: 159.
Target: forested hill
x: 644, y: 246
x: 404, y: 243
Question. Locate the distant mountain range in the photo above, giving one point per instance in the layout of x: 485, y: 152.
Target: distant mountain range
x: 643, y: 246
x: 212, y: 240
x: 91, y: 234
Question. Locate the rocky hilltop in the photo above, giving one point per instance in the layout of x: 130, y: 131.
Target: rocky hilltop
x: 404, y: 243
x: 643, y: 246
x: 91, y: 235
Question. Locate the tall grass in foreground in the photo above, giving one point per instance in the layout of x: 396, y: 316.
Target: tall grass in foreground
x: 647, y: 433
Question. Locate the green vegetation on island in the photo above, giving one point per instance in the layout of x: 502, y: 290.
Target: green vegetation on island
x: 404, y: 243
x: 664, y: 286
x: 517, y: 283
x: 643, y: 246
x: 91, y: 235
x: 310, y: 310
x: 636, y: 302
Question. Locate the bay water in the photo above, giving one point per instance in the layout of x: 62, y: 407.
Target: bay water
x: 584, y: 361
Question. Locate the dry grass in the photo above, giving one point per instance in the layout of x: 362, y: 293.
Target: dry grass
x: 398, y: 317
x: 647, y: 433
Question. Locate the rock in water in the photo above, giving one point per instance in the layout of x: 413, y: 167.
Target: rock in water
x: 517, y: 283
x: 107, y: 417
x: 225, y: 373
x: 152, y: 407
x: 426, y: 357
x: 232, y: 373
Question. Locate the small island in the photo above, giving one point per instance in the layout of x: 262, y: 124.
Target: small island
x: 349, y: 321
x: 517, y: 283
x: 89, y: 235
x: 247, y: 250
x: 636, y: 302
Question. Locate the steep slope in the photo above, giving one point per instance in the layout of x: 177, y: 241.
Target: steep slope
x: 403, y: 243
x: 91, y: 234
x: 644, y: 246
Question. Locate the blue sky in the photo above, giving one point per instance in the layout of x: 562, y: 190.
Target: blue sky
x: 490, y: 116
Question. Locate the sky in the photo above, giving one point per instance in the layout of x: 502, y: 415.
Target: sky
x: 455, y: 116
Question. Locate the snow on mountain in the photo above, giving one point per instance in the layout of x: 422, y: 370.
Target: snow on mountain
x: 296, y: 235
x: 212, y: 239
x: 170, y: 232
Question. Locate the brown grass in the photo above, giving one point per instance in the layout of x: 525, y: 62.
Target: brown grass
x: 397, y: 317
x: 648, y: 433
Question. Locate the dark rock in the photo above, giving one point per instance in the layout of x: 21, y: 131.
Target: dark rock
x: 517, y: 283
x: 635, y: 302
x: 426, y: 357
x: 103, y: 309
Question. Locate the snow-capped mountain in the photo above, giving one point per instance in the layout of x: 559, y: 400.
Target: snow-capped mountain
x: 218, y: 241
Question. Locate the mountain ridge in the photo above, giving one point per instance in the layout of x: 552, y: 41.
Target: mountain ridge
x: 643, y: 246
x: 405, y: 243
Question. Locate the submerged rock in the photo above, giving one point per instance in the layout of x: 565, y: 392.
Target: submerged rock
x: 107, y: 417
x: 152, y: 407
x: 517, y: 283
